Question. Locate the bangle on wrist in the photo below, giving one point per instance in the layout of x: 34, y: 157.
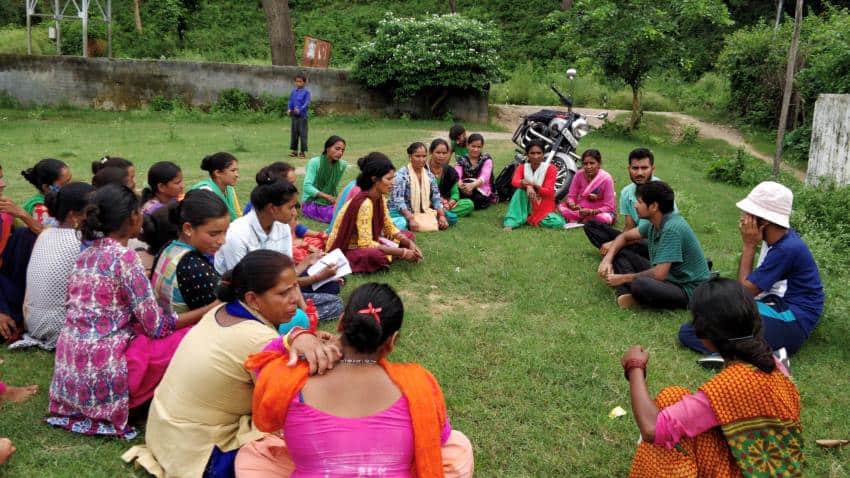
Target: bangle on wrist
x: 633, y: 364
x: 287, y: 339
x: 296, y: 332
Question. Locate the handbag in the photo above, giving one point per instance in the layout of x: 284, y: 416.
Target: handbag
x: 425, y: 222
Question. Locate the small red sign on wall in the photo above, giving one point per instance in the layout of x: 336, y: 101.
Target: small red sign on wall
x: 317, y: 53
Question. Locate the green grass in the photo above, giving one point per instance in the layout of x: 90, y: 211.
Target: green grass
x: 522, y: 335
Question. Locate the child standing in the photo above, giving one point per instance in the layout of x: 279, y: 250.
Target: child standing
x: 299, y: 101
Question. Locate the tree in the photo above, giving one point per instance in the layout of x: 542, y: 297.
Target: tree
x: 453, y: 6
x: 281, y: 39
x: 137, y: 14
x: 429, y: 57
x: 789, y: 84
x: 566, y: 5
x: 628, y: 39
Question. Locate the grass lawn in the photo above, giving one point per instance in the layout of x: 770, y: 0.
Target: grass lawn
x: 522, y: 335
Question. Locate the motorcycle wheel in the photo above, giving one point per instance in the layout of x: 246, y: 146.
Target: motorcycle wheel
x: 563, y: 178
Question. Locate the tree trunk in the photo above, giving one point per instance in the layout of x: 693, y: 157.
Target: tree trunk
x: 281, y: 39
x: 566, y: 5
x: 137, y: 14
x: 453, y: 6
x: 778, y: 15
x: 789, y: 85
x: 634, y: 123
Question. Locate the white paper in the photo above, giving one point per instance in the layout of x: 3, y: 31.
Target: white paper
x: 343, y: 268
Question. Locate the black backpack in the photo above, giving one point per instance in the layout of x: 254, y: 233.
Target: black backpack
x: 502, y: 184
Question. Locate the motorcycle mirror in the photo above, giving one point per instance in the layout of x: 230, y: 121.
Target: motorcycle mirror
x: 571, y: 73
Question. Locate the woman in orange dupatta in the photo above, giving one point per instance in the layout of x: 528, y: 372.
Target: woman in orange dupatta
x: 366, y: 417
x: 745, y: 421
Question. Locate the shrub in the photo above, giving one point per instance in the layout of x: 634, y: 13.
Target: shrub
x: 797, y: 144
x: 690, y: 134
x: 731, y: 169
x: 430, y: 56
x: 8, y: 101
x: 754, y: 59
x: 233, y: 100
x: 161, y: 103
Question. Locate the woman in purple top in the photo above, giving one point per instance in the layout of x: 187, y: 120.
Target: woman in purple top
x: 165, y: 185
x: 475, y: 171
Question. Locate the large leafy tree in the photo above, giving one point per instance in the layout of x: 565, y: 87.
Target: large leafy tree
x: 429, y: 57
x: 628, y: 39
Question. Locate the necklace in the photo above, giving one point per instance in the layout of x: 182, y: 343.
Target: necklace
x: 358, y: 361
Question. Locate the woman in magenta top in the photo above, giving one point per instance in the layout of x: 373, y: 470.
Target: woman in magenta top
x: 367, y: 417
x: 591, y: 195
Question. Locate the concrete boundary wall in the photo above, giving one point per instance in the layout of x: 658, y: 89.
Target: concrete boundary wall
x: 126, y: 84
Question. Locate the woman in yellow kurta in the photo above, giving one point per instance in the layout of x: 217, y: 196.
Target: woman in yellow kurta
x: 201, y: 411
x: 364, y: 230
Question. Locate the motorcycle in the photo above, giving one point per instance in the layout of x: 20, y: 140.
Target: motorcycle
x: 560, y: 132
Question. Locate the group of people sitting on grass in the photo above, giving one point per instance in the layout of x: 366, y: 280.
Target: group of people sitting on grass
x: 190, y: 343
x: 196, y: 316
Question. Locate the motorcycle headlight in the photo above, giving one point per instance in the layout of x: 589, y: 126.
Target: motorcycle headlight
x: 580, y: 128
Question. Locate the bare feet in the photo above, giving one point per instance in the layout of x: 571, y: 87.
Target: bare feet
x: 507, y: 229
x: 6, y: 450
x: 18, y: 394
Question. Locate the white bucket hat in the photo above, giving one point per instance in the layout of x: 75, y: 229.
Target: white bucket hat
x: 770, y: 201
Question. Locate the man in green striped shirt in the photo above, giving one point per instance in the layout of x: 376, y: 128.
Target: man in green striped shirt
x: 676, y: 264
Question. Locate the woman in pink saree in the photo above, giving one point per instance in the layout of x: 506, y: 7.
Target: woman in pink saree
x: 591, y: 195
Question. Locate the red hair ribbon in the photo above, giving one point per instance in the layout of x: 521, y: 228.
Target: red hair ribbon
x: 373, y: 311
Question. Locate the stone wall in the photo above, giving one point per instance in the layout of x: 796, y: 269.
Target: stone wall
x: 829, y: 155
x: 127, y: 84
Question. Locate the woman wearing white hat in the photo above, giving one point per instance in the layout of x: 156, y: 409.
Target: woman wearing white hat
x: 786, y: 283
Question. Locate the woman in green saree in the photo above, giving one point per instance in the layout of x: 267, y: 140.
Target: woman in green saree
x: 224, y: 173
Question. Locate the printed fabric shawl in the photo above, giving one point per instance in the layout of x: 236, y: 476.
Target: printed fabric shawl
x: 759, y: 414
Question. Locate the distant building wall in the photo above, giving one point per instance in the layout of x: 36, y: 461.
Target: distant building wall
x: 126, y: 84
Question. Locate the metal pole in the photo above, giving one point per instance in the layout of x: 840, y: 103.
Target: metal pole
x: 109, y: 29
x: 57, y: 16
x: 29, y: 27
x: 85, y: 17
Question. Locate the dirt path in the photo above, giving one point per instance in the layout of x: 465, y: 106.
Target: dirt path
x: 510, y: 115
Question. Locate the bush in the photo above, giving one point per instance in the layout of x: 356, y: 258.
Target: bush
x: 819, y: 215
x: 690, y: 135
x: 729, y: 169
x: 827, y: 67
x: 8, y: 101
x: 754, y: 61
x: 414, y: 57
x: 233, y: 100
x: 797, y: 144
